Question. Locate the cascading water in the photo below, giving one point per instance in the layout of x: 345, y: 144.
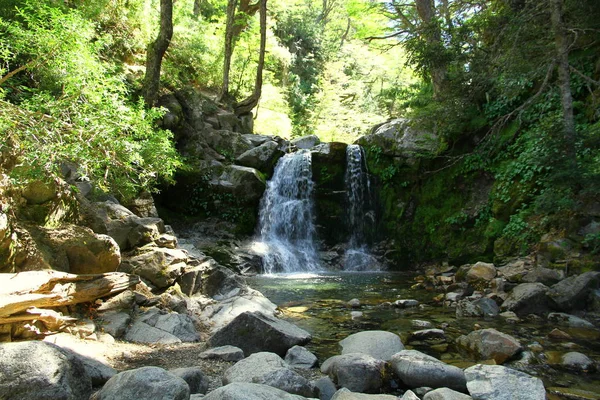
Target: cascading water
x: 286, y: 217
x: 361, y: 216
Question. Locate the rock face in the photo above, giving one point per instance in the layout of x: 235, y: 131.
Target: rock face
x: 489, y: 344
x: 249, y: 391
x: 527, y: 298
x: 416, y: 369
x: 40, y: 370
x: 159, y: 265
x: 501, y: 383
x: 356, y: 372
x: 381, y: 345
x: 573, y: 291
x: 146, y: 383
x: 254, y: 332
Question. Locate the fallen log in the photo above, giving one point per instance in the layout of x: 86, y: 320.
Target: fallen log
x: 47, y: 289
x: 53, y: 320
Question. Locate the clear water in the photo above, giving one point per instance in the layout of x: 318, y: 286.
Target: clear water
x: 286, y: 219
x: 317, y: 302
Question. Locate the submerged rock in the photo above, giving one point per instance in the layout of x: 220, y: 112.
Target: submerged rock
x: 416, y: 369
x: 356, y: 372
x: 570, y: 320
x: 501, y: 383
x: 378, y: 344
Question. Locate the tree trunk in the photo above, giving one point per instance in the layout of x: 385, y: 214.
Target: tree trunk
x: 197, y: 4
x: 564, y: 78
x: 156, y: 51
x: 426, y: 11
x: 229, y: 30
x: 246, y: 105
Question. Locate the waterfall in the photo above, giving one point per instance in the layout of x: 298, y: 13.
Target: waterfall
x: 286, y: 217
x: 360, y: 212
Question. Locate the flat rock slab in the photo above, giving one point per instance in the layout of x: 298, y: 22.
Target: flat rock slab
x: 381, y: 345
x: 416, y: 369
x: 501, y: 383
x: 254, y: 332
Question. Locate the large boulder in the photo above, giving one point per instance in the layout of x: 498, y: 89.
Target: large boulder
x: 416, y: 369
x: 253, y: 367
x: 527, y: 298
x: 306, y: 142
x: 356, y: 372
x: 254, y: 332
x: 40, y: 370
x: 262, y: 158
x: 378, y: 344
x: 246, y: 185
x: 397, y: 138
x: 146, y: 383
x: 250, y: 391
x: 480, y: 272
x: 487, y: 344
x: 501, y: 383
x: 158, y: 265
x: 572, y: 293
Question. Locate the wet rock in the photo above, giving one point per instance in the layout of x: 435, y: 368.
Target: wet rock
x: 225, y: 353
x: 427, y: 334
x: 578, y: 362
x: 345, y: 394
x: 146, y: 383
x: 306, y: 142
x: 194, y: 377
x: 300, y: 357
x: 39, y: 370
x: 569, y: 320
x: 557, y: 334
x: 571, y: 293
x: 250, y: 391
x: 326, y: 388
x: 572, y: 393
x: 416, y: 369
x: 254, y: 332
x: 481, y: 272
x: 356, y: 372
x: 381, y: 345
x: 486, y: 344
x: 416, y: 323
x: 159, y: 265
x: 445, y: 394
x: 501, y: 383
x: 406, y: 303
x: 483, y: 307
x: 354, y: 303
x: 510, y: 317
x: 527, y: 298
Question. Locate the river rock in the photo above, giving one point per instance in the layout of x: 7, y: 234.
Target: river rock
x: 225, y: 353
x: 250, y: 391
x: 159, y: 265
x: 501, y: 383
x: 572, y: 293
x: 194, y: 377
x: 483, y: 307
x: 306, y: 142
x: 178, y: 325
x: 486, y: 344
x: 416, y: 369
x: 39, y: 370
x: 326, y: 388
x: 445, y: 394
x: 345, y: 394
x: 300, y: 357
x: 378, y: 344
x: 288, y: 381
x: 427, y: 334
x: 577, y: 361
x: 420, y: 324
x: 254, y: 332
x: 527, y: 298
x: 262, y: 158
x: 481, y: 272
x: 146, y: 383
x: 355, y: 371
x: 406, y: 303
x: 546, y: 276
x: 570, y: 320
x: 245, y: 184
x: 253, y: 367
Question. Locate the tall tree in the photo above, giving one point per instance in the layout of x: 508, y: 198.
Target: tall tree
x: 246, y: 105
x: 229, y: 33
x: 155, y: 53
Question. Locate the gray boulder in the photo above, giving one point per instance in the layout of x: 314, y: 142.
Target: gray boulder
x: 378, y: 344
x: 40, y: 370
x: 501, y: 383
x: 254, y: 332
x: 345, y: 394
x: 427, y: 334
x: 300, y: 357
x: 573, y: 292
x: 141, y: 332
x: 146, y: 383
x: 445, y: 394
x: 577, y: 361
x: 355, y: 371
x: 253, y: 367
x: 483, y: 307
x: 194, y: 377
x: 487, y: 344
x: 416, y: 369
x: 250, y: 391
x: 262, y: 158
x: 159, y: 265
x: 288, y: 381
x: 570, y: 320
x: 225, y: 353
x: 99, y: 372
x: 178, y: 325
x: 326, y: 388
x: 306, y: 142
x: 543, y: 275
x: 115, y: 323
x: 245, y: 184
x: 527, y: 298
